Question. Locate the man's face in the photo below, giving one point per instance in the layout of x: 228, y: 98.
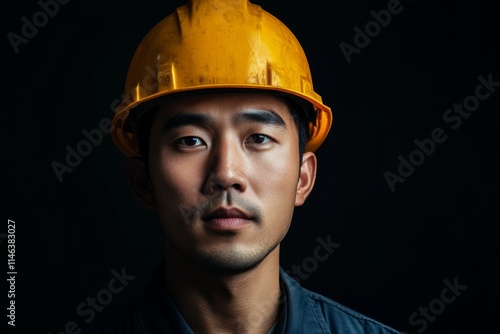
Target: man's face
x: 224, y: 171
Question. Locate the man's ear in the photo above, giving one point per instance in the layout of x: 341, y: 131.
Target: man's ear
x: 139, y: 180
x: 307, y: 176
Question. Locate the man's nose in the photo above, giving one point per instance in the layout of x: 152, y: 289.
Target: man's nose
x: 226, y: 168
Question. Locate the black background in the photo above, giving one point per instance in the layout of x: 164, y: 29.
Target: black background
x: 397, y: 247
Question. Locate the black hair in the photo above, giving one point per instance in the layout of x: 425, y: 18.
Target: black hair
x: 303, y: 114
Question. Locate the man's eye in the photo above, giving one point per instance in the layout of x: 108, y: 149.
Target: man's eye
x: 190, y: 141
x: 258, y: 139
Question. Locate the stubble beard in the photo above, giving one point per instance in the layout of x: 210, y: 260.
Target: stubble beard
x: 234, y: 259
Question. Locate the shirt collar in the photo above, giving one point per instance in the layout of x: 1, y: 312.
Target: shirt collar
x: 158, y: 313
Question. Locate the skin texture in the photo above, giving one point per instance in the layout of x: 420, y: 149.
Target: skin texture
x: 224, y: 180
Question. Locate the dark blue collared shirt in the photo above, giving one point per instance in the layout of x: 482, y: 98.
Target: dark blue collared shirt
x: 302, y: 312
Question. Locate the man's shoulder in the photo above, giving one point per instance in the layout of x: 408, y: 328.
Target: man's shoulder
x: 332, y: 315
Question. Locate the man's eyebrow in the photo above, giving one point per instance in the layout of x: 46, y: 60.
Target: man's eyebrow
x: 266, y: 117
x: 184, y: 119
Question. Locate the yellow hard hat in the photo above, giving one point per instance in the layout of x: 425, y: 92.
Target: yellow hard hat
x: 217, y: 44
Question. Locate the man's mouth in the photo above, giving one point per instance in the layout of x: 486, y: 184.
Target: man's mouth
x: 226, y: 219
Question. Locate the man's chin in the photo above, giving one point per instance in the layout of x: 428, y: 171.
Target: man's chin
x: 232, y: 260
x: 226, y: 266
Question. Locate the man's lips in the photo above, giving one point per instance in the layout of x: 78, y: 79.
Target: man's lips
x: 227, y: 219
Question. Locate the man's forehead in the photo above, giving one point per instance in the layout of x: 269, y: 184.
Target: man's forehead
x: 224, y: 104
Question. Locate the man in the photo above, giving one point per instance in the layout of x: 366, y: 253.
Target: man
x: 220, y: 127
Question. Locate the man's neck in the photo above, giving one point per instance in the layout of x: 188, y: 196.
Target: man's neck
x: 247, y: 302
